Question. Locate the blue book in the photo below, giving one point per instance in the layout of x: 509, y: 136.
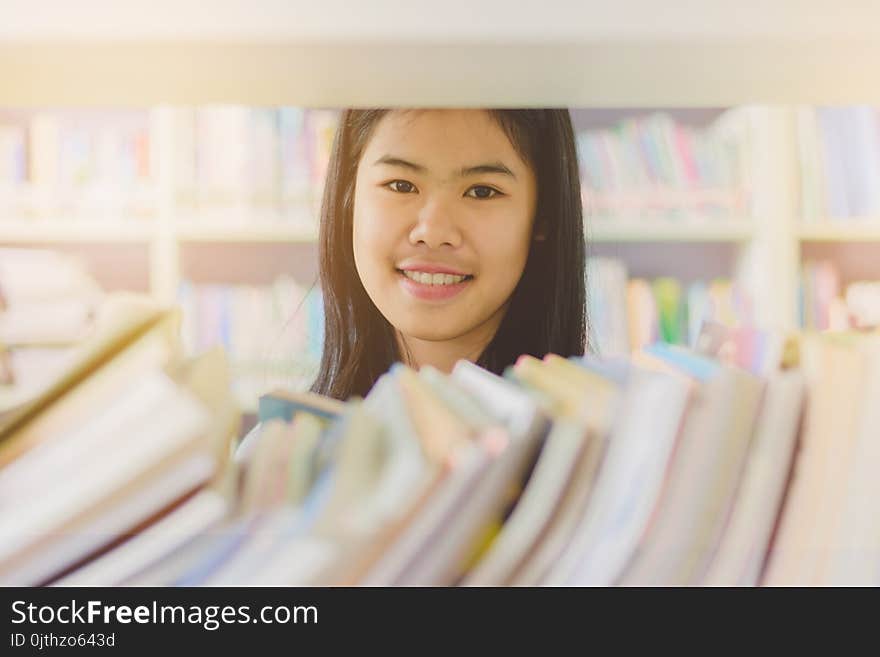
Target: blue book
x: 615, y: 369
x: 697, y: 366
x: 283, y: 404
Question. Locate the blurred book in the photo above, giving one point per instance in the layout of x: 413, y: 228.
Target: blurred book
x: 827, y: 302
x: 669, y: 467
x: 74, y: 164
x: 652, y: 166
x: 747, y: 459
x: 119, y: 438
x: 273, y: 334
x: 48, y: 306
x: 627, y: 314
x: 233, y: 161
x: 839, y: 154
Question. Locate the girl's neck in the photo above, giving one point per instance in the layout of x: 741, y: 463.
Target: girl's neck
x: 443, y: 354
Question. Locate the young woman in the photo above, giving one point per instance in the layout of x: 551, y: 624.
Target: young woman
x: 449, y: 234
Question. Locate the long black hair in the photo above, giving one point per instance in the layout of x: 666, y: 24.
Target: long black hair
x: 547, y: 312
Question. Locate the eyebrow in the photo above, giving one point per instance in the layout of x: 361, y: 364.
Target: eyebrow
x: 489, y: 167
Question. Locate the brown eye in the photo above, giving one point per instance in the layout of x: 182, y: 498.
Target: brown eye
x: 401, y: 186
x: 482, y: 192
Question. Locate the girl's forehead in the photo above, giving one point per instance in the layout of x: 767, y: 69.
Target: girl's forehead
x: 441, y: 135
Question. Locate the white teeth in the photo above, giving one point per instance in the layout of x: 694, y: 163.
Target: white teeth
x: 433, y: 279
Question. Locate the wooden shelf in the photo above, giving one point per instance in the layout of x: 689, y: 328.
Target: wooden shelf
x: 336, y: 53
x: 256, y: 232
x: 657, y: 230
x: 842, y: 231
x: 72, y: 230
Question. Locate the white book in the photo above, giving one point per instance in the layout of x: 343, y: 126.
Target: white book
x: 702, y: 482
x: 501, y: 399
x: 297, y: 564
x: 260, y: 546
x: 566, y: 519
x: 405, y: 471
x: 629, y: 483
x: 443, y: 557
x: 439, y: 510
x: 45, y: 470
x: 834, y: 372
x: 854, y: 546
x: 60, y: 322
x: 743, y: 546
x: 555, y: 467
x: 157, y: 433
x: 35, y: 275
x: 195, y: 516
x: 66, y: 549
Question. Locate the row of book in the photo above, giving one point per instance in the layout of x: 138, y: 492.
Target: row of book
x: 826, y: 303
x: 839, y: 155
x: 77, y: 163
x: 675, y: 466
x: 104, y: 164
x: 234, y: 158
x: 272, y: 334
x: 252, y: 157
x: 653, y: 165
x: 626, y: 313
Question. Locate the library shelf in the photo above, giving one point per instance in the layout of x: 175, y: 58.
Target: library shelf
x: 867, y: 230
x: 71, y: 230
x: 667, y: 230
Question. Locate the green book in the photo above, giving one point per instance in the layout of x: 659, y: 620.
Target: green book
x: 667, y: 294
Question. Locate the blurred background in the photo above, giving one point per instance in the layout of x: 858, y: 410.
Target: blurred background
x: 729, y: 157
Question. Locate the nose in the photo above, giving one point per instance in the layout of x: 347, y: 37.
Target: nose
x: 435, y: 226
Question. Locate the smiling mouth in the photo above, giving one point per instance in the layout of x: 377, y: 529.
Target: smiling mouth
x: 426, y: 278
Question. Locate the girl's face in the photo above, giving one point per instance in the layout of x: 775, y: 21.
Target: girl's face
x: 443, y: 213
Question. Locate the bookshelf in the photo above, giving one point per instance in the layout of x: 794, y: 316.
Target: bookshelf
x: 250, y: 245
x: 867, y: 230
x: 695, y: 60
x: 694, y: 229
x: 662, y: 60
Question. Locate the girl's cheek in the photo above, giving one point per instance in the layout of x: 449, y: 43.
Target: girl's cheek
x: 379, y: 222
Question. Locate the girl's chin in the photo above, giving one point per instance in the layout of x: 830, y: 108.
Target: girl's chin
x: 421, y: 328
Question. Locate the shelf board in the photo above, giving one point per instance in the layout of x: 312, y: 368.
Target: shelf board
x: 842, y: 231
x: 657, y: 230
x: 72, y: 230
x: 256, y: 232
x: 639, y: 70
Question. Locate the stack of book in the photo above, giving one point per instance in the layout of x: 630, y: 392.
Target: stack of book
x: 124, y: 435
x: 48, y: 304
x: 747, y: 460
